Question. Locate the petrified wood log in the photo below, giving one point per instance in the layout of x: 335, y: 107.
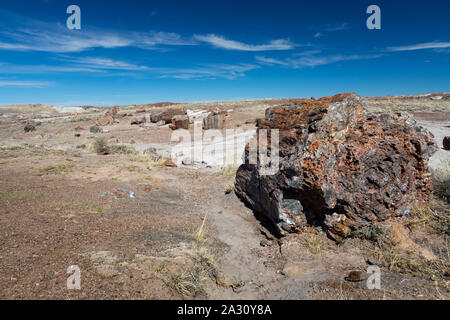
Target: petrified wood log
x: 340, y: 168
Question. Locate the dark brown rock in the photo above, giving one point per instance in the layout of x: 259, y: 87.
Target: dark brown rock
x: 341, y: 167
x: 168, y: 114
x: 29, y: 127
x: 446, y: 143
x: 103, y: 150
x: 180, y: 122
x: 356, y: 276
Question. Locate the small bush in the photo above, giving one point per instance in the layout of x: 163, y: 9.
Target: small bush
x: 123, y: 149
x: 95, y: 129
x: 100, y: 144
x: 441, y: 181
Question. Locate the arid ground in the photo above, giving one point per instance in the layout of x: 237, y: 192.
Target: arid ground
x: 184, y: 234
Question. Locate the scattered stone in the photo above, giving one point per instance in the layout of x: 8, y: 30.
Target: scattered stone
x: 293, y: 270
x: 180, y: 122
x: 263, y: 243
x: 340, y: 166
x: 168, y: 114
x: 160, y: 123
x: 355, y: 276
x: 29, y: 127
x: 77, y: 135
x: 105, y: 119
x: 169, y: 163
x: 446, y: 143
x: 103, y: 150
x: 138, y: 120
x: 119, y: 193
x: 106, y: 270
x: 156, y: 117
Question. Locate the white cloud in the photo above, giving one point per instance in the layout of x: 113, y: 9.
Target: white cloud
x: 270, y: 61
x: 220, y: 42
x: 312, y: 59
x: 104, y: 63
x: 421, y: 46
x: 205, y: 72
x: 28, y: 84
x: 330, y: 27
x: 33, y: 35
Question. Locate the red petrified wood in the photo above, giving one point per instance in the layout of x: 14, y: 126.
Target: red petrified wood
x: 341, y: 167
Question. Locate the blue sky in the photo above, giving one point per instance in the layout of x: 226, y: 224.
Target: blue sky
x: 133, y: 52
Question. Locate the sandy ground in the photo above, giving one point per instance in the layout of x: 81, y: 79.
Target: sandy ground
x: 181, y: 236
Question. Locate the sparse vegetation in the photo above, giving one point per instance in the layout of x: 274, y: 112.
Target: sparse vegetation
x: 314, y: 244
x: 132, y: 169
x: 57, y: 169
x: 100, y: 144
x: 189, y: 283
x: 441, y: 181
x: 229, y: 188
x: 95, y: 129
x: 123, y: 149
x: 371, y: 232
x: 410, y: 263
x: 435, y: 215
x: 228, y: 170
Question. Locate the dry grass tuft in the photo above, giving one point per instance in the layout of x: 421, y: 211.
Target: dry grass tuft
x: 441, y: 181
x: 435, y: 216
x: 228, y: 171
x: 314, y: 244
x: 189, y: 283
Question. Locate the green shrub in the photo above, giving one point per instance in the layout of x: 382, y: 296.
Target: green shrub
x: 95, y: 129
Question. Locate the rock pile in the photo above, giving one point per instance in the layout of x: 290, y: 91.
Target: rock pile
x: 341, y: 167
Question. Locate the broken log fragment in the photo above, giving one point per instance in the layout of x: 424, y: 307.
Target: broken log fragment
x: 340, y: 168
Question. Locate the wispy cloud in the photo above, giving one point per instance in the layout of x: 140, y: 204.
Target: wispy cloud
x: 27, y: 84
x: 206, y: 72
x: 270, y: 61
x: 421, y: 46
x: 312, y: 59
x: 33, y: 35
x: 223, y: 43
x: 103, y: 63
x: 331, y: 27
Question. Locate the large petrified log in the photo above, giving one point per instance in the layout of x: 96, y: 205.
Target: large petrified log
x: 340, y: 166
x: 215, y: 120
